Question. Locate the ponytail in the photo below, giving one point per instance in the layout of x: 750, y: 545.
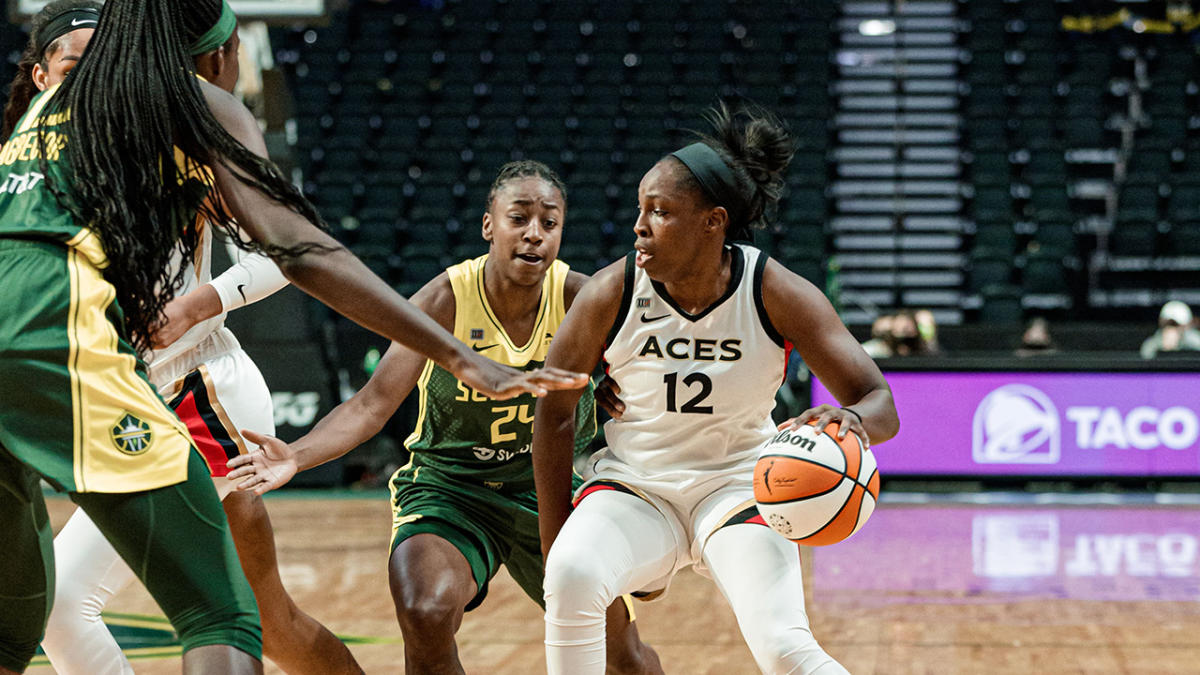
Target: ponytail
x: 756, y: 147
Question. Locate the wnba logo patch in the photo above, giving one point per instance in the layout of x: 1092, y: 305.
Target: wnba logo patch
x: 131, y: 435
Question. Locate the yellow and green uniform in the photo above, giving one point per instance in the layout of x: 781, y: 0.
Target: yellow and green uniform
x: 77, y: 410
x: 63, y: 338
x: 470, y: 480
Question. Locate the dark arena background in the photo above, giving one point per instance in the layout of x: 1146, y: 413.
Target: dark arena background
x: 1000, y: 197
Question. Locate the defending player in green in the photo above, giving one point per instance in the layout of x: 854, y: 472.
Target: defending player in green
x: 465, y: 503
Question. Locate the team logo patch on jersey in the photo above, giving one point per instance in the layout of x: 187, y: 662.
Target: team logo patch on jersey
x: 643, y: 303
x: 131, y: 435
x: 476, y: 333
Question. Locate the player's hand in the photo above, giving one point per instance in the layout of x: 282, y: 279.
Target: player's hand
x: 500, y: 382
x: 268, y: 467
x: 607, y: 391
x: 825, y: 415
x: 175, y: 322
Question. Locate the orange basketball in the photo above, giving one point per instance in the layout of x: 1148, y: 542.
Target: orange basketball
x: 813, y: 489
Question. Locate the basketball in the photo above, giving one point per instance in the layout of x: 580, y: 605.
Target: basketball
x: 814, y: 489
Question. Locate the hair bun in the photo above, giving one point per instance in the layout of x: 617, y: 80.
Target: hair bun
x: 758, y: 148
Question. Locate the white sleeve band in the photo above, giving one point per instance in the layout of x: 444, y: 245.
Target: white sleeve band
x: 252, y: 278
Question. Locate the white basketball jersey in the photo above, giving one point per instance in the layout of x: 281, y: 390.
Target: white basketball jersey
x: 198, y: 272
x: 698, y: 389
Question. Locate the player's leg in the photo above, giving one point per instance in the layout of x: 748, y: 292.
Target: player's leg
x: 26, y: 567
x: 432, y: 583
x: 759, y: 573
x: 613, y: 543
x: 441, y: 561
x: 295, y: 641
x: 90, y: 572
x: 216, y: 401
x: 626, y: 653
x: 177, y: 541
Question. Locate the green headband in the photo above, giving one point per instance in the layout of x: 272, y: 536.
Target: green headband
x: 218, y: 34
x: 718, y: 182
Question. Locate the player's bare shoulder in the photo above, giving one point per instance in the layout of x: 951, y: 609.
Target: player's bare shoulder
x: 571, y: 287
x: 601, y: 292
x: 436, y: 298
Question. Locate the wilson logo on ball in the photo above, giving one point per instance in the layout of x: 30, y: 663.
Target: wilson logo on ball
x: 813, y: 488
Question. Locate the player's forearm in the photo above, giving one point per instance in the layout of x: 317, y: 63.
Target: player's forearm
x: 342, y: 281
x: 553, y: 443
x: 251, y: 279
x: 346, y: 427
x: 200, y: 305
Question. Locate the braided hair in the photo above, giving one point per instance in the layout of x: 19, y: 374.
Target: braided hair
x: 134, y: 107
x: 525, y: 168
x: 757, y: 147
x: 23, y: 89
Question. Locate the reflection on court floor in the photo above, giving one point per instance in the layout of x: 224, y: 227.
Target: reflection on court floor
x: 974, y: 584
x: 985, y: 553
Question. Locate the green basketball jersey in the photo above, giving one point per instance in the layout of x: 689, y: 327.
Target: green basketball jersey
x: 466, y: 434
x: 27, y: 206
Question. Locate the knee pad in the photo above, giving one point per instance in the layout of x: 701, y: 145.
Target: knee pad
x: 576, y: 583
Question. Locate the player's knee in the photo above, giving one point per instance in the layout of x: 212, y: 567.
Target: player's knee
x: 575, y: 583
x: 73, y: 606
x: 427, y: 612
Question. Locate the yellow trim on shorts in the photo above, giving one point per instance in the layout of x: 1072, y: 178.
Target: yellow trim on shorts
x: 629, y: 607
x: 398, y: 518
x: 214, y: 401
x: 87, y: 243
x: 105, y: 388
x: 729, y: 516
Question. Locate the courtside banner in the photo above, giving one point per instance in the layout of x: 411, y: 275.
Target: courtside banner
x: 1042, y: 424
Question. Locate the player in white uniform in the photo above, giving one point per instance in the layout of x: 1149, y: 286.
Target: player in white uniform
x: 216, y: 390
x: 700, y: 333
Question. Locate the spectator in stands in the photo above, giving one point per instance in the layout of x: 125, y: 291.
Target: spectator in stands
x: 906, y: 338
x: 1036, y: 340
x: 879, y: 347
x: 927, y: 329
x: 1175, y: 333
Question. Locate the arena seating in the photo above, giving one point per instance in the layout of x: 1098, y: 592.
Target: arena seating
x: 975, y: 147
x: 404, y: 114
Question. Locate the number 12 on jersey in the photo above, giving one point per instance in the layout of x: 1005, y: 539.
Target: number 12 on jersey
x: 693, y: 404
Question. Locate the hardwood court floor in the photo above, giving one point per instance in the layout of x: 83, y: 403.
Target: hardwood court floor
x: 922, y: 589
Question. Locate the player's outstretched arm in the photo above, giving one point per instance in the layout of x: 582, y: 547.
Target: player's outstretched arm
x: 577, y: 347
x: 804, y: 317
x: 354, y: 421
x: 334, y: 276
x: 247, y: 281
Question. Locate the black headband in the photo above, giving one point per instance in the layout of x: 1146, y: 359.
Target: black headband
x: 718, y: 182
x: 69, y: 20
